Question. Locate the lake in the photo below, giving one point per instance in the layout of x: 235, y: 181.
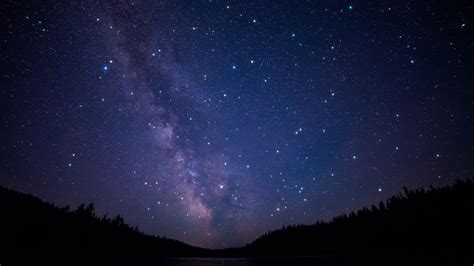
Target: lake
x: 246, y: 262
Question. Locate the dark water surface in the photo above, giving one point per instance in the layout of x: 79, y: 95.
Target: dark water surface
x: 245, y: 261
x: 316, y: 261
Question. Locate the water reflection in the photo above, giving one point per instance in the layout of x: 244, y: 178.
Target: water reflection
x: 244, y: 261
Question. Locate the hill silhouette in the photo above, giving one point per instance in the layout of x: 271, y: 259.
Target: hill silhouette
x: 434, y: 223
x: 30, y: 226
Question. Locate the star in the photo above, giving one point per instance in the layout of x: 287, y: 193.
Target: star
x: 163, y: 108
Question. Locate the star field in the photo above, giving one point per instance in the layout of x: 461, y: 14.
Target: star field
x: 212, y: 122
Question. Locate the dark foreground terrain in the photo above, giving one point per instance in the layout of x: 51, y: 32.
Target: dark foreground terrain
x: 425, y: 226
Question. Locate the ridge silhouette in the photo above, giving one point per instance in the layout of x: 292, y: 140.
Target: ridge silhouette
x: 434, y: 223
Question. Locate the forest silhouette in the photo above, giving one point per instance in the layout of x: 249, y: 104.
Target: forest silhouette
x: 435, y: 223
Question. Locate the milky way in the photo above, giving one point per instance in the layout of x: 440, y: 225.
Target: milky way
x: 212, y: 122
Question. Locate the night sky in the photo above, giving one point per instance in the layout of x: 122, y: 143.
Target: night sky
x: 212, y: 122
